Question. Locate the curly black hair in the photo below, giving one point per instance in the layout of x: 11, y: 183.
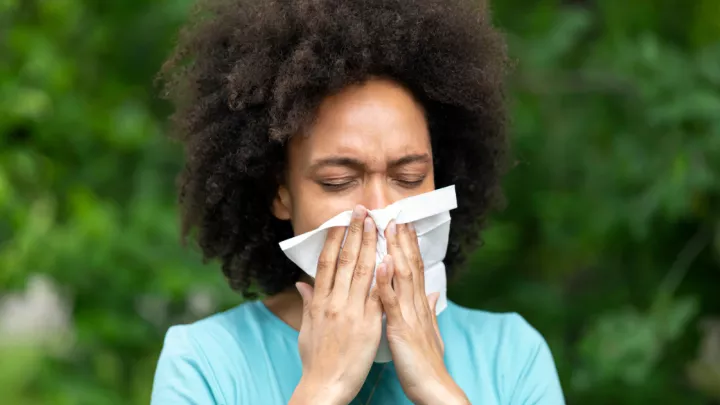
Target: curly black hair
x: 247, y: 74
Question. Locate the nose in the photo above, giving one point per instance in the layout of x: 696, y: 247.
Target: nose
x: 377, y: 195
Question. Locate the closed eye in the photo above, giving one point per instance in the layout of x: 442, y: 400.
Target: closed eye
x: 410, y: 183
x: 336, y: 186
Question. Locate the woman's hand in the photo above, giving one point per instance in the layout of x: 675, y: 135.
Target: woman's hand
x: 342, y: 323
x: 415, y: 342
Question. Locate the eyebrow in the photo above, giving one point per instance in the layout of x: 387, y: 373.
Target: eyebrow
x: 359, y: 164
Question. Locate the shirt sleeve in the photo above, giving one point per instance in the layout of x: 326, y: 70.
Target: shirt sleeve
x: 179, y: 377
x: 537, y: 381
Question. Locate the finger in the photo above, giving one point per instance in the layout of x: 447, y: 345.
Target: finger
x: 365, y: 267
x: 409, y: 243
x: 415, y: 257
x: 327, y: 263
x: 432, y: 301
x: 402, y: 275
x: 432, y: 306
x: 389, y: 299
x: 306, y: 293
x: 373, y: 304
x: 349, y: 254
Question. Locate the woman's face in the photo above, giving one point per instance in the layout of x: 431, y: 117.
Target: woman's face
x: 368, y: 145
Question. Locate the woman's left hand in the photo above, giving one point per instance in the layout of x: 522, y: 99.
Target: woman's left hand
x: 415, y: 342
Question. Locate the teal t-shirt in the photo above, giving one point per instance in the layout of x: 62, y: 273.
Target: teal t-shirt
x: 248, y: 356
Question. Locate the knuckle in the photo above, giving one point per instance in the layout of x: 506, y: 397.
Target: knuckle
x: 368, y: 242
x: 416, y: 260
x: 361, y: 270
x: 395, y: 243
x: 392, y: 302
x: 332, y: 312
x: 346, y: 258
x: 355, y: 227
x: 324, y: 263
x: 332, y: 236
x: 405, y: 274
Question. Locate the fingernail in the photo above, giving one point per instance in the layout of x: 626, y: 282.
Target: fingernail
x: 368, y: 225
x: 358, y: 211
x: 410, y: 227
x: 392, y: 228
x: 387, y: 260
x: 381, y: 270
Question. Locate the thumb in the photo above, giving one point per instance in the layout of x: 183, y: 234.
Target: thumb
x: 432, y: 301
x: 306, y: 292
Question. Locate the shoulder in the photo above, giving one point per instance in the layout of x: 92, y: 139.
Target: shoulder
x: 491, y: 328
x: 505, y: 350
x: 221, y: 334
x: 205, y: 358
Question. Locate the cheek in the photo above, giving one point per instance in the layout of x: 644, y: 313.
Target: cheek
x: 313, y: 208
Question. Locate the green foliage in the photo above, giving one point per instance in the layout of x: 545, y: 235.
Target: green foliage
x: 610, y: 243
x: 87, y: 194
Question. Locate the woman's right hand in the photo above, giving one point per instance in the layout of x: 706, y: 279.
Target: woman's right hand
x: 342, y: 319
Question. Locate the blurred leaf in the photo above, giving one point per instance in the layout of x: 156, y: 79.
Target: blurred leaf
x: 627, y: 345
x: 672, y: 318
x: 709, y: 63
x: 621, y: 345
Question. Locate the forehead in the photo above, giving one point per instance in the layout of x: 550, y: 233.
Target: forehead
x: 375, y: 122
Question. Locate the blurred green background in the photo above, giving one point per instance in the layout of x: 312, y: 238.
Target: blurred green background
x: 610, y: 244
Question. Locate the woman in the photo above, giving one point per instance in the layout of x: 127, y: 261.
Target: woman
x: 292, y: 111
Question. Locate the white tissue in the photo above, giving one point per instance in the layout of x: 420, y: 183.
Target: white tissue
x: 429, y: 214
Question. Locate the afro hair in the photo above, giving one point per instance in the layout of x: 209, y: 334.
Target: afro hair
x: 247, y: 75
